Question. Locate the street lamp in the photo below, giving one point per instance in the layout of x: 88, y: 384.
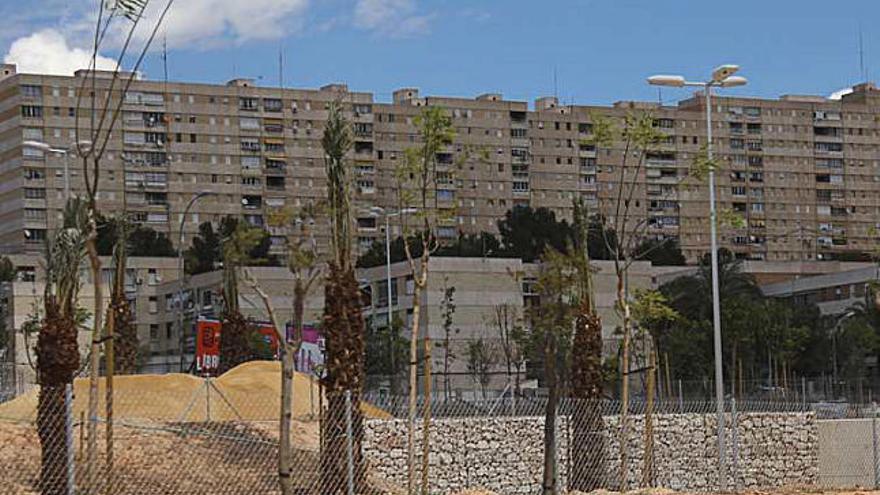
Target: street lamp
x: 834, y: 332
x: 78, y: 147
x: 722, y: 77
x: 180, y: 275
x: 379, y: 211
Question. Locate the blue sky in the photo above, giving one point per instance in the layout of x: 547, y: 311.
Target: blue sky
x: 600, y: 51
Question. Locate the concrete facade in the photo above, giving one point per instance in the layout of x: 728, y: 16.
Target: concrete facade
x: 801, y: 170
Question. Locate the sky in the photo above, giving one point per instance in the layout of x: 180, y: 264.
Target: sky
x: 584, y: 51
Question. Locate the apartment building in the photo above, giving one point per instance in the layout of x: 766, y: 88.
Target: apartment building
x: 800, y: 171
x: 22, y: 301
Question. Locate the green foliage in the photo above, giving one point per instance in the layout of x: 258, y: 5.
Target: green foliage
x: 386, y: 349
x: 417, y: 174
x: 7, y: 270
x: 731, y: 219
x: 651, y: 311
x: 336, y: 142
x: 526, y: 232
x: 204, y: 254
x: 660, y: 252
x: 142, y: 240
x: 702, y: 164
x: 481, y: 357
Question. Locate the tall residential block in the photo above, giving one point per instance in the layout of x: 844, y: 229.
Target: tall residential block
x: 801, y: 172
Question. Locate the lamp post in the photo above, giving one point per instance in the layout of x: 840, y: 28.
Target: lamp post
x: 722, y: 77
x: 379, y: 211
x: 180, y: 276
x: 834, y: 332
x: 65, y: 152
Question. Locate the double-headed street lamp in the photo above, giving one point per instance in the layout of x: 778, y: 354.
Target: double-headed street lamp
x: 722, y: 77
x: 65, y: 152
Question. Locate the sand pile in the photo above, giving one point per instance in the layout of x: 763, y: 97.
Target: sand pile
x: 251, y: 392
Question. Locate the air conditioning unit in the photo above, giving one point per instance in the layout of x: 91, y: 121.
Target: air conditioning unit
x: 158, y: 279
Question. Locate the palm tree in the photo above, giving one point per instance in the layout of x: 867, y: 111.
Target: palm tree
x: 586, y: 367
x: 236, y: 334
x: 125, y: 338
x: 57, y: 349
x: 343, y: 320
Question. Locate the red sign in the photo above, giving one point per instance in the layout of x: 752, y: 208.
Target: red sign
x: 208, y: 343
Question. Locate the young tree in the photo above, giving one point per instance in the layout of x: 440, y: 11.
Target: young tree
x: 551, y: 320
x: 447, y: 310
x: 481, y: 359
x: 57, y: 349
x: 236, y: 339
x: 508, y: 322
x: 638, y: 136
x: 416, y: 187
x: 90, y: 145
x: 588, y: 443
x: 652, y: 314
x: 343, y: 319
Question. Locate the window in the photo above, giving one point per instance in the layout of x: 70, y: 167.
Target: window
x: 829, y: 147
x: 248, y: 103
x: 738, y: 190
x: 250, y: 162
x: 250, y: 144
x: 30, y: 153
x: 520, y: 187
x: 153, y: 305
x: 248, y: 123
x: 275, y: 183
x: 445, y: 195
x: 518, y: 133
x: 154, y: 332
x: 274, y: 147
x: 34, y: 174
x: 366, y: 223
x: 32, y: 134
x: 35, y: 236
x: 32, y: 193
x: 31, y: 112
x: 272, y: 104
x: 250, y: 181
x: 29, y: 91
x: 752, y: 111
x: 34, y: 214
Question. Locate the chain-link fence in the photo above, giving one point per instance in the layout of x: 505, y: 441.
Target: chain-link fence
x: 198, y: 436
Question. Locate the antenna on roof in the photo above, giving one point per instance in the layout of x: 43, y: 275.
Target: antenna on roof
x: 165, y: 55
x: 862, y: 73
x: 555, y: 84
x: 281, y: 65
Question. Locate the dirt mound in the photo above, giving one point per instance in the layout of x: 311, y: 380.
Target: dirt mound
x: 251, y: 391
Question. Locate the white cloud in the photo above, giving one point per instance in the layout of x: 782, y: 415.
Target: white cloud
x: 206, y: 23
x: 47, y: 52
x: 396, y: 18
x: 839, y: 93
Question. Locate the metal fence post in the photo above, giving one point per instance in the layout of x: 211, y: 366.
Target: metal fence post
x: 349, y: 447
x: 735, y: 443
x: 68, y: 438
x: 680, y: 398
x: 874, y: 444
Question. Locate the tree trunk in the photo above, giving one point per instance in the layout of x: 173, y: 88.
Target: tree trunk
x: 549, y: 481
x: 344, y: 334
x: 648, y: 467
x: 413, y: 389
x: 57, y: 360
x: 95, y: 362
x: 426, y: 413
x: 284, y: 453
x: 110, y: 364
x: 588, y: 439
x: 624, y: 387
